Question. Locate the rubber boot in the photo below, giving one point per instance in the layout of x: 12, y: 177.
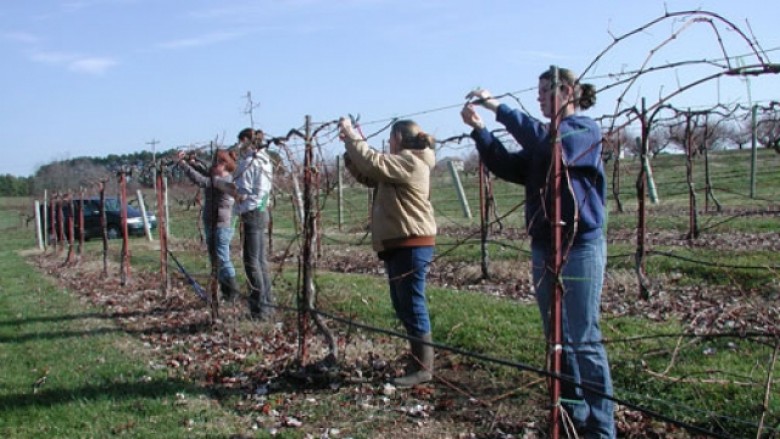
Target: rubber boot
x: 230, y: 289
x: 421, y: 370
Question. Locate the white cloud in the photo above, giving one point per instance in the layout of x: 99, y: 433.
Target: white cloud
x: 92, y: 66
x: 75, y: 62
x: 203, y: 40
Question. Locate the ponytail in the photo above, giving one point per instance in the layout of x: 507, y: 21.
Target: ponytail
x: 412, y: 137
x: 584, y: 94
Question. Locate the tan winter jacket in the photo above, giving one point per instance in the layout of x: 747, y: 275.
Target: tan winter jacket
x: 402, y: 214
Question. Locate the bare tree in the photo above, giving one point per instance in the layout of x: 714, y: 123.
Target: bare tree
x: 768, y: 129
x: 708, y: 133
x: 67, y: 174
x: 617, y: 142
x: 662, y: 138
x: 738, y: 133
x: 471, y: 163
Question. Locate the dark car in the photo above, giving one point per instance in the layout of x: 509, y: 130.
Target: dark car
x: 92, y: 229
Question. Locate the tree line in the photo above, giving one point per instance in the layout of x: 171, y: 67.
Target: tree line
x: 86, y: 172
x: 13, y: 186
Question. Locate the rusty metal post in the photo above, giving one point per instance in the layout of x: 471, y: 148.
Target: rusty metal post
x: 556, y: 261
x: 61, y: 225
x: 81, y: 225
x: 162, y: 229
x: 124, y: 267
x: 103, y: 225
x: 71, y: 228
x: 53, y: 221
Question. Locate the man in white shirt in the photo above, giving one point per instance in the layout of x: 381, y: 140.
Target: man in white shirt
x: 254, y: 179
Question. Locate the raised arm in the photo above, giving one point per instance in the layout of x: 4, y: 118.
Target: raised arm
x: 506, y: 165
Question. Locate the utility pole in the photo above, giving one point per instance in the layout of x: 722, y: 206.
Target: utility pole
x: 250, y: 106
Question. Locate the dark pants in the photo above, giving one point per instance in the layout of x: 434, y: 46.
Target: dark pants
x: 261, y: 298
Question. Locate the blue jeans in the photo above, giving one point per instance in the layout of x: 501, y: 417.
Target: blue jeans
x: 406, y: 269
x: 261, y: 299
x: 584, y: 357
x: 219, y: 251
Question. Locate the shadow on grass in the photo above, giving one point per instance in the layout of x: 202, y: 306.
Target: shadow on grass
x: 184, y: 328
x: 89, y: 315
x: 154, y: 389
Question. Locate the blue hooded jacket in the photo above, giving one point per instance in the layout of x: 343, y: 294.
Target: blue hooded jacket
x: 583, y: 171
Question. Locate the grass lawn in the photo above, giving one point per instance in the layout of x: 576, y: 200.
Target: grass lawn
x: 69, y: 369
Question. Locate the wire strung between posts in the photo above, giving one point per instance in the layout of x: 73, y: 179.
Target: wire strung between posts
x: 516, y: 365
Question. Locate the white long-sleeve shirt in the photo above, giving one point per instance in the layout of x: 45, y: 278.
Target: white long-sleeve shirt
x: 254, y: 180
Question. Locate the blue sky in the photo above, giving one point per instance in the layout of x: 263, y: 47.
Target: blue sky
x: 99, y: 77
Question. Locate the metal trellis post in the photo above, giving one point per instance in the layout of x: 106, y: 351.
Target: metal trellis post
x: 556, y: 330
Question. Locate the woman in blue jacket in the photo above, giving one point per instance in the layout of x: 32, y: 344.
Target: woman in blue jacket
x: 583, y: 214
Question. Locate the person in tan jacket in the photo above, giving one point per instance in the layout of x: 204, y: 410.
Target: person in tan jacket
x: 403, y: 227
